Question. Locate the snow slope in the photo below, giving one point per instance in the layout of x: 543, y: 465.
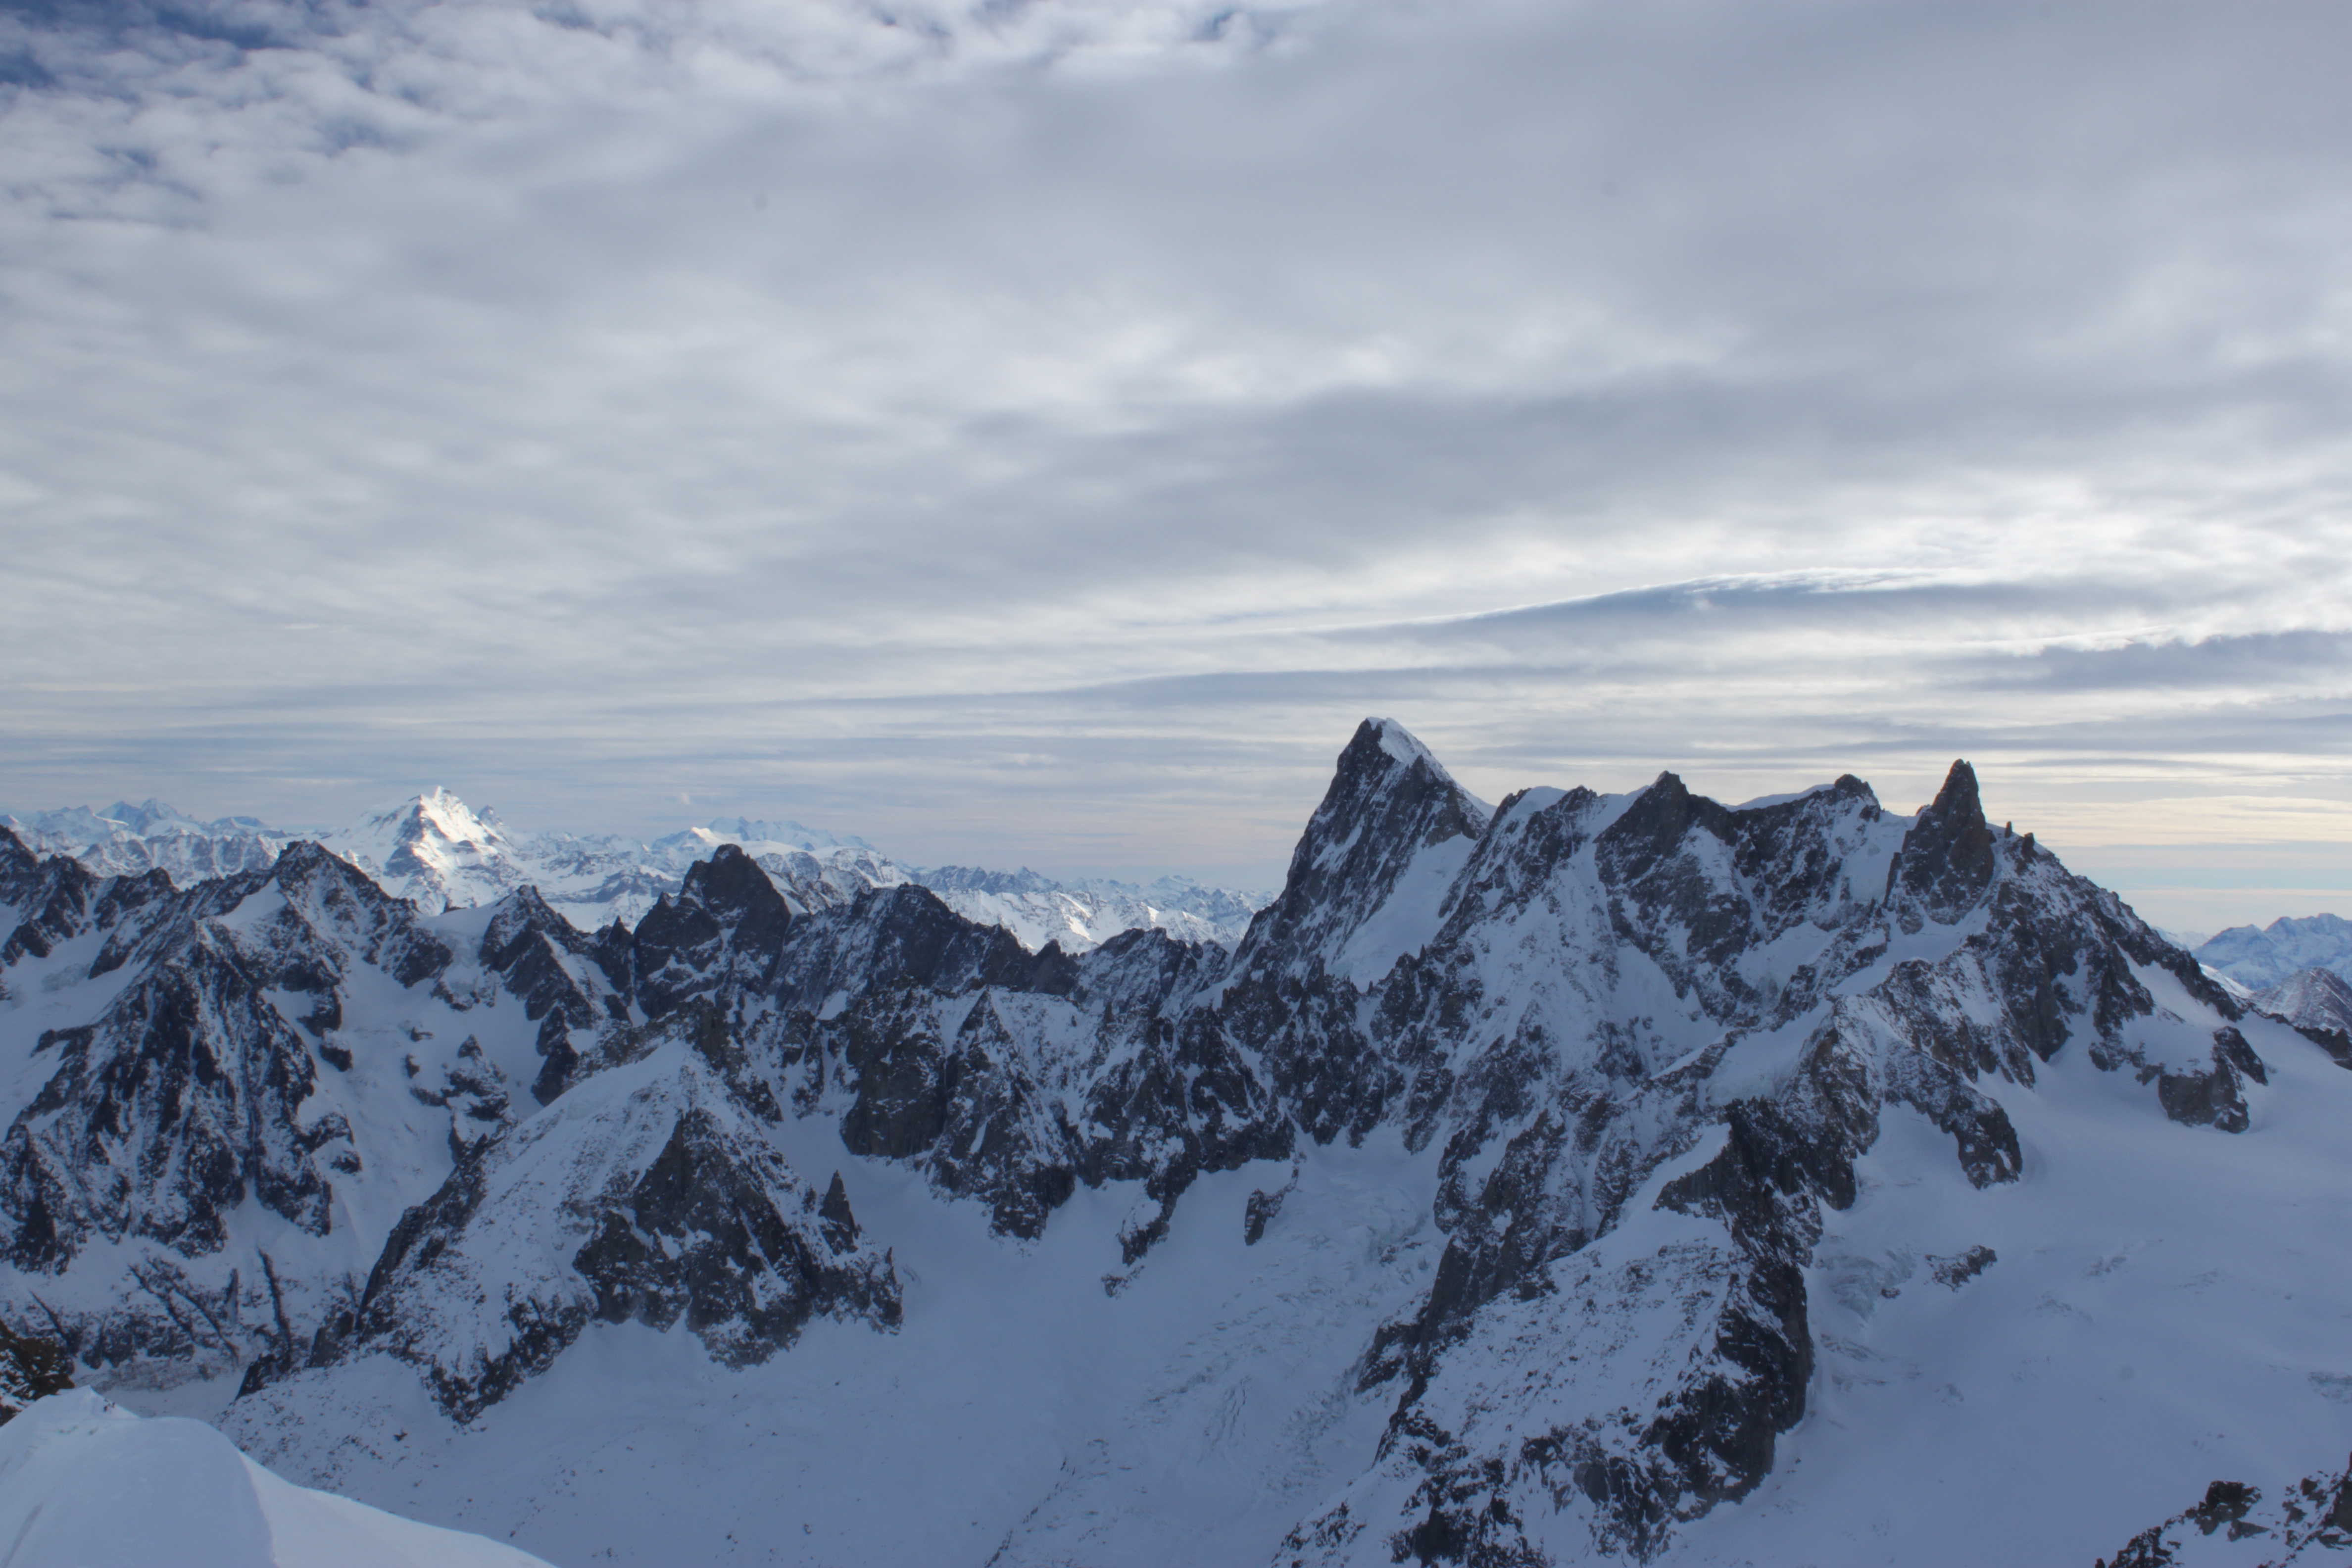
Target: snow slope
x: 88, y: 1484
x: 1019, y: 1408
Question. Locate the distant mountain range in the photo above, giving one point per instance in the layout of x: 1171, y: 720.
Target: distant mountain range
x: 439, y: 853
x: 2260, y: 956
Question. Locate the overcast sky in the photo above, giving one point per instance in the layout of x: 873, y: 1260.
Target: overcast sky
x: 1038, y: 433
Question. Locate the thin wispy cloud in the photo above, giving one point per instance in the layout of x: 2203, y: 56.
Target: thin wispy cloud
x: 1045, y: 429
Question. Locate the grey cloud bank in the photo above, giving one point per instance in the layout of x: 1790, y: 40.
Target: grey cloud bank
x: 1038, y: 433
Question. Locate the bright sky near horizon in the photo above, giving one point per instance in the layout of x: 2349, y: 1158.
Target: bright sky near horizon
x: 1038, y: 432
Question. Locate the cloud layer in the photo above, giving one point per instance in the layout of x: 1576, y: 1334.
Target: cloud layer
x: 1039, y: 431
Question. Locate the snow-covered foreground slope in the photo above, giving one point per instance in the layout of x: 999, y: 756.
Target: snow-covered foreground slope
x: 87, y: 1484
x: 437, y: 853
x: 1584, y: 1177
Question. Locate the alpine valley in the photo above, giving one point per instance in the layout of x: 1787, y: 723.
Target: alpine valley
x: 1589, y: 1177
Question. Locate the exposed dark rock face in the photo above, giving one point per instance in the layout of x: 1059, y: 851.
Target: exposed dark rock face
x: 897, y: 939
x: 1388, y: 801
x: 547, y: 962
x: 946, y: 1042
x: 2319, y: 1002
x: 1714, y: 1441
x: 54, y: 905
x: 2215, y: 1097
x: 2310, y: 1521
x: 1145, y: 971
x: 20, y: 870
x: 670, y: 1209
x: 188, y: 1094
x: 961, y: 1105
x: 1958, y: 1271
x: 840, y: 1224
x: 327, y: 899
x: 30, y: 1368
x: 700, y: 1235
x: 726, y: 925
x: 184, y: 1098
x: 1262, y: 1210
x: 531, y: 946
x: 1947, y: 861
x: 211, y: 1082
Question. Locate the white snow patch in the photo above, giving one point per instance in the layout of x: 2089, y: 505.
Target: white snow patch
x: 1409, y: 915
x: 86, y: 1484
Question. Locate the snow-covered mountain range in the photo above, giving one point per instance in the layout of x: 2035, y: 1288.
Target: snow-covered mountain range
x: 1580, y: 1178
x: 2257, y: 956
x: 126, y: 839
x: 433, y: 851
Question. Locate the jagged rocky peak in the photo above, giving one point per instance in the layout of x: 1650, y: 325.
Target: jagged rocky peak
x: 727, y: 922
x: 906, y: 936
x: 58, y: 898
x: 241, y: 1080
x: 328, y: 902
x: 563, y: 977
x: 1623, y: 983
x: 55, y: 899
x: 522, y: 918
x: 193, y: 1089
x: 2234, y: 1525
x: 20, y: 869
x: 161, y: 1120
x: 1947, y: 859
x: 1392, y: 830
x: 731, y: 888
